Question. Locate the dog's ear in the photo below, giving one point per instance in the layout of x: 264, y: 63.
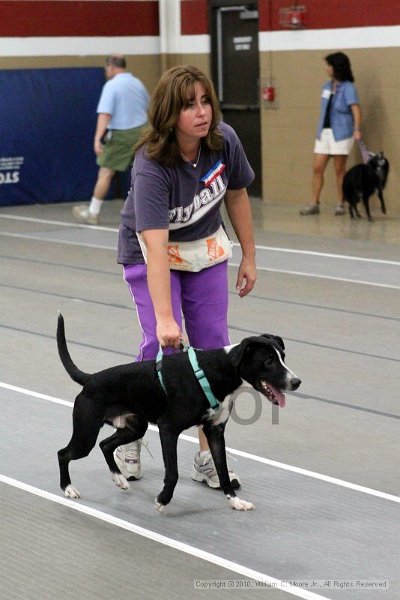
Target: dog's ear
x: 277, y: 339
x: 237, y: 353
x: 280, y: 341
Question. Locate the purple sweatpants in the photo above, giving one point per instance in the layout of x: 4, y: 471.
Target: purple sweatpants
x: 201, y: 297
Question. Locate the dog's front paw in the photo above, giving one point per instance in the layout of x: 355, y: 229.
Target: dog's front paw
x: 160, y: 508
x: 238, y: 504
x: 71, y: 492
x: 120, y: 481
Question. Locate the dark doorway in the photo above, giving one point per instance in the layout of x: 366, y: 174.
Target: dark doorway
x: 235, y: 72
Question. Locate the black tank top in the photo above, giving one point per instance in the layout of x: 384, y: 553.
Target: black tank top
x: 327, y: 120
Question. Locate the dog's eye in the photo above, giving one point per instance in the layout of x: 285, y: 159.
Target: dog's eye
x: 269, y: 360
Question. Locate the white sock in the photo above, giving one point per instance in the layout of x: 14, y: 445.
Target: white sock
x: 95, y: 206
x: 204, y: 453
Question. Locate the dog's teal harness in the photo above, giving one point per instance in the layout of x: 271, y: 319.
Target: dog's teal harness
x: 199, y: 373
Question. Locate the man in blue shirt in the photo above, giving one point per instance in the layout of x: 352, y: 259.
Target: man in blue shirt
x: 121, y: 114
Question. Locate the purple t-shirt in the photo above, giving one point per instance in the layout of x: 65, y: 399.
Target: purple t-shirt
x: 184, y: 199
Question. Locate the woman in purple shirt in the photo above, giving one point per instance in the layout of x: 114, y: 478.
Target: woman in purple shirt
x: 172, y: 242
x: 339, y: 125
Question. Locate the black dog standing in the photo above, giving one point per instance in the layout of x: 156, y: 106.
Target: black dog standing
x: 130, y: 396
x: 361, y: 181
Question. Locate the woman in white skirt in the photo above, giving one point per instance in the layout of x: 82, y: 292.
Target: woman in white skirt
x: 339, y: 125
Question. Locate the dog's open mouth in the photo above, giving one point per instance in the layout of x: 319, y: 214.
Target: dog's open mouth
x: 272, y: 393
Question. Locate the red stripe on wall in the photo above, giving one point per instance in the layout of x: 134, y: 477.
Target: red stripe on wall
x: 324, y: 14
x: 320, y: 14
x: 67, y: 18
x: 25, y: 18
x: 194, y: 17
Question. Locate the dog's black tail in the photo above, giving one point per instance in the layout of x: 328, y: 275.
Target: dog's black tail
x: 71, y: 368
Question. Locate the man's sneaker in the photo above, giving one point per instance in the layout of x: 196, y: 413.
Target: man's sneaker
x: 82, y: 214
x: 127, y: 458
x: 204, y: 471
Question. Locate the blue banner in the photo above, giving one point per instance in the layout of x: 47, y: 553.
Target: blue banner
x: 47, y: 124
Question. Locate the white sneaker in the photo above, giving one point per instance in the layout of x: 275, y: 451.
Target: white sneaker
x: 127, y: 458
x: 204, y: 471
x: 82, y: 214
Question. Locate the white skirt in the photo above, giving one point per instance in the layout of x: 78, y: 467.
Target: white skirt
x: 328, y: 145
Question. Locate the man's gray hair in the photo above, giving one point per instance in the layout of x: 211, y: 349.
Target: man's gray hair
x: 116, y: 60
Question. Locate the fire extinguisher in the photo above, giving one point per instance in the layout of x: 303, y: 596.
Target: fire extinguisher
x: 296, y: 17
x: 268, y: 93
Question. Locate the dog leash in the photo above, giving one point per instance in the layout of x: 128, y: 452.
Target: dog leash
x: 198, y: 371
x: 366, y: 156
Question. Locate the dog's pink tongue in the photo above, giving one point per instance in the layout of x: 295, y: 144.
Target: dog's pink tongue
x: 279, y: 396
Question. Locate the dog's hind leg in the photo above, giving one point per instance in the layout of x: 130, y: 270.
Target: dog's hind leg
x: 65, y: 455
x: 169, y: 441
x: 216, y: 441
x: 357, y: 198
x: 83, y: 439
x: 352, y: 198
x: 135, y: 430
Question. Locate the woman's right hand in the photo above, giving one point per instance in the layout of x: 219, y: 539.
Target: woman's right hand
x: 159, y: 281
x: 168, y: 333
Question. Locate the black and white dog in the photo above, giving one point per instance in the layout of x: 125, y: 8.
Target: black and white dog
x: 361, y: 181
x: 132, y: 395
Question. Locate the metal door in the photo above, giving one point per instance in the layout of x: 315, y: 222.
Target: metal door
x: 235, y: 69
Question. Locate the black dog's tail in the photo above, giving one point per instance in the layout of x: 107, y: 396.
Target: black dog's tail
x: 71, y: 368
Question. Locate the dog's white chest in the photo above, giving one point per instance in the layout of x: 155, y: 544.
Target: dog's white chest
x: 220, y: 414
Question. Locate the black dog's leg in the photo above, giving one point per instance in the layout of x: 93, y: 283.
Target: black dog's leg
x: 169, y: 441
x: 356, y: 199
x: 366, y: 205
x: 352, y: 198
x: 86, y: 428
x: 383, y: 207
x: 216, y: 441
x: 134, y: 431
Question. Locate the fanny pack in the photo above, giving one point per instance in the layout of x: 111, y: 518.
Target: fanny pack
x: 196, y: 255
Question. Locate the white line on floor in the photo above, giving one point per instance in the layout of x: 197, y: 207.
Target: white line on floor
x: 37, y: 238
x: 60, y: 223
x: 327, y: 255
x: 318, y: 276
x: 166, y: 541
x: 258, y: 246
x: 271, y: 463
x: 96, y: 246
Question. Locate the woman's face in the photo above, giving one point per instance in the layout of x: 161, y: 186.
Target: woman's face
x: 329, y: 70
x: 195, y: 117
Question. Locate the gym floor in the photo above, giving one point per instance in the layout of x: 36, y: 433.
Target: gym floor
x: 323, y: 472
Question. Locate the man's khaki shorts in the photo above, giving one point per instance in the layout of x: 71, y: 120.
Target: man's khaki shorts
x: 118, y: 151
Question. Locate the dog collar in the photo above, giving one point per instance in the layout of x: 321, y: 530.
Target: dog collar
x: 199, y: 373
